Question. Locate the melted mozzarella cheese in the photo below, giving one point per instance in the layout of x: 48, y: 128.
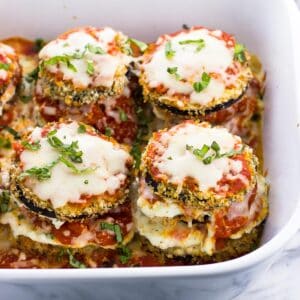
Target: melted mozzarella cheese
x: 214, y: 58
x: 184, y: 163
x: 107, y: 160
x: 21, y: 227
x: 172, y: 235
x: 166, y: 209
x: 105, y: 65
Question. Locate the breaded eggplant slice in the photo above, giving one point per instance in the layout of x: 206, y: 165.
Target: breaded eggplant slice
x: 228, y: 249
x: 195, y: 71
x: 83, y: 65
x: 182, y: 235
x: 10, y: 74
x: 107, y: 231
x: 203, y: 166
x: 67, y: 171
x: 154, y: 206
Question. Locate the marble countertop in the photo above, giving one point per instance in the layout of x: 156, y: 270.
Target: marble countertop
x: 280, y: 282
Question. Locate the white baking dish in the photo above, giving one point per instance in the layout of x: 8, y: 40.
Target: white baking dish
x: 269, y: 28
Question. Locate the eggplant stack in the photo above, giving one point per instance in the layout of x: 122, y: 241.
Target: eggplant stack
x: 201, y: 194
x: 205, y: 75
x: 82, y: 75
x: 69, y: 187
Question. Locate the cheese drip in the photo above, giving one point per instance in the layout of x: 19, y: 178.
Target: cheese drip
x: 107, y: 160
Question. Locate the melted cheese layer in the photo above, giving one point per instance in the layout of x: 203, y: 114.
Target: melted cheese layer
x: 214, y: 58
x: 174, y: 235
x: 104, y: 65
x: 107, y: 160
x: 179, y: 163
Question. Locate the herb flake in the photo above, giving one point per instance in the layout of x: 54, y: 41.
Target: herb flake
x: 141, y: 45
x: 114, y: 228
x: 31, y: 146
x: 169, y: 52
x: 201, y: 85
x: 239, y: 52
x: 199, y: 43
x: 74, y: 262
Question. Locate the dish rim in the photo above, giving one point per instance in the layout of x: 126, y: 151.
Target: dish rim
x: 244, y: 262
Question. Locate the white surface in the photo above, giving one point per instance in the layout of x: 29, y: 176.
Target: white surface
x: 267, y: 32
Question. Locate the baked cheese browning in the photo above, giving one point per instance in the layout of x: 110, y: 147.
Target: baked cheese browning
x: 108, y: 231
x: 69, y: 169
x: 113, y: 116
x: 199, y: 164
x: 195, y: 71
x: 83, y: 65
x: 10, y: 74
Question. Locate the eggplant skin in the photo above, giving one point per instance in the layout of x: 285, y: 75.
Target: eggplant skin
x: 198, y: 113
x: 47, y: 212
x: 232, y: 248
x: 41, y: 210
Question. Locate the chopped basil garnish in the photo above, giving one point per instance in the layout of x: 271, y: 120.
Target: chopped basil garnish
x: 173, y: 71
x: 215, y: 154
x: 70, y: 165
x: 4, y: 66
x: 124, y: 254
x: 168, y: 50
x: 66, y: 58
x: 74, y: 262
x: 113, y: 227
x: 70, y: 151
x: 170, y: 158
x: 142, y: 46
x: 95, y: 49
x: 41, y: 173
x: 31, y: 146
x: 60, y: 59
x: 108, y: 131
x: 86, y: 181
x: 201, y: 85
x: 81, y: 128
x: 5, y: 143
x: 239, y: 53
x: 4, y: 201
x: 122, y: 115
x: 52, y: 132
x: 69, y: 154
x: 90, y: 68
x: 199, y: 43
